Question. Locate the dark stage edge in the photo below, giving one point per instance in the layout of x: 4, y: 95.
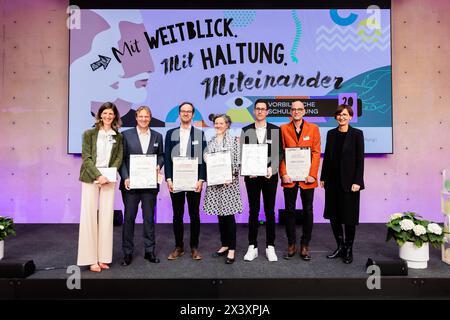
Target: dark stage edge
x: 54, y: 247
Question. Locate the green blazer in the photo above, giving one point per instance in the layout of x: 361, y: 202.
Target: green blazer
x: 88, y: 171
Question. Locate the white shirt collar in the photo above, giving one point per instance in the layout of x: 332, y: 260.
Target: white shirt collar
x: 143, y: 133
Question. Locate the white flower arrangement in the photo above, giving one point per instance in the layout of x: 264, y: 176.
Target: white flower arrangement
x: 407, y: 226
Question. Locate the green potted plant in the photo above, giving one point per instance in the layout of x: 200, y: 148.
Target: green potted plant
x: 414, y: 234
x: 6, y: 229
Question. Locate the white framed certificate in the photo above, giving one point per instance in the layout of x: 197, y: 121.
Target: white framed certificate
x: 185, y: 173
x: 298, y: 163
x: 143, y: 171
x: 218, y: 168
x: 254, y: 160
x: 109, y: 173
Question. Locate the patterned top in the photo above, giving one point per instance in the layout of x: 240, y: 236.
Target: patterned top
x: 225, y: 199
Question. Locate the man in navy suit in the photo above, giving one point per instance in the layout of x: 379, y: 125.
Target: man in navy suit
x: 185, y: 141
x: 138, y: 141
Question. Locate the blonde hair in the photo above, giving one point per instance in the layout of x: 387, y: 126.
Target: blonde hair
x: 144, y: 108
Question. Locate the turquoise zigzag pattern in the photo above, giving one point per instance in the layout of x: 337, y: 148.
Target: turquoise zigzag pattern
x: 298, y: 34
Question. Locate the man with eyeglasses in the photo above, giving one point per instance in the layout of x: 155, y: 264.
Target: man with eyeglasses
x: 262, y: 132
x: 185, y: 141
x: 300, y: 134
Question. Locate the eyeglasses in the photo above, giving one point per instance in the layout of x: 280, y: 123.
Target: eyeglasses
x: 297, y: 109
x: 343, y: 115
x: 185, y: 111
x: 260, y: 109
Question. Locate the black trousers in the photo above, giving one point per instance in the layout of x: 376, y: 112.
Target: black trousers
x: 193, y: 200
x: 338, y: 231
x: 268, y: 187
x: 290, y: 197
x: 148, y: 203
x: 227, y: 229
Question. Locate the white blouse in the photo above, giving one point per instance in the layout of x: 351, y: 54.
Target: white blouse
x: 105, y: 143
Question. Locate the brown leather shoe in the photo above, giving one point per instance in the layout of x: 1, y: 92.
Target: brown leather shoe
x: 290, y: 252
x: 304, y: 252
x: 196, y: 255
x: 178, y: 252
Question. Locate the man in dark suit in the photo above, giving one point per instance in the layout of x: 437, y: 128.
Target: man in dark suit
x: 138, y: 141
x: 185, y: 141
x: 262, y: 132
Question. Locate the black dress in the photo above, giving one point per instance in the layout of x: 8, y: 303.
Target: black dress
x: 341, y: 205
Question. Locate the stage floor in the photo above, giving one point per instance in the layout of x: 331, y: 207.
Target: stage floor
x: 53, y: 247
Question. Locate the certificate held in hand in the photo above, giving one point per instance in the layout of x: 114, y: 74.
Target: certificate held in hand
x: 109, y: 173
x: 298, y: 163
x: 254, y: 160
x: 218, y: 168
x: 143, y: 171
x: 185, y: 173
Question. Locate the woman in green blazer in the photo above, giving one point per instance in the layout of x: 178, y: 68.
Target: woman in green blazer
x: 102, y: 151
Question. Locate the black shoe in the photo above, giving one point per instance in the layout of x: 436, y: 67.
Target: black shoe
x: 127, y: 259
x: 150, y: 256
x: 348, y: 254
x: 229, y: 260
x: 339, y: 252
x: 220, y: 254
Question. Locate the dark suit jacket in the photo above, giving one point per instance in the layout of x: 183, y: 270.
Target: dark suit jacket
x: 352, y: 162
x: 132, y: 145
x: 196, y: 148
x: 272, y: 138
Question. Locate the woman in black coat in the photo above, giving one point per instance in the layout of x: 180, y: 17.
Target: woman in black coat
x: 342, y: 178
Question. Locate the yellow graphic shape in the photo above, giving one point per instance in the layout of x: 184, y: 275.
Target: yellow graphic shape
x: 369, y: 31
x: 240, y: 115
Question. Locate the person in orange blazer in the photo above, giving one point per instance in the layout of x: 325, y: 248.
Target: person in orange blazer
x: 295, y: 134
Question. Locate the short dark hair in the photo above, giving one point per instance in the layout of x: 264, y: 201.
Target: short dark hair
x: 188, y: 103
x: 297, y: 100
x: 117, y: 122
x: 341, y: 108
x: 225, y: 117
x: 261, y: 101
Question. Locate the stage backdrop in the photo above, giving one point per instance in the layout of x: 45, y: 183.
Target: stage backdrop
x: 40, y: 180
x: 223, y: 60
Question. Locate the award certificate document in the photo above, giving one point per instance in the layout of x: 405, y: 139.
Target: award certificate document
x: 143, y: 171
x: 254, y: 160
x: 298, y: 163
x: 109, y: 173
x: 185, y: 173
x: 218, y: 168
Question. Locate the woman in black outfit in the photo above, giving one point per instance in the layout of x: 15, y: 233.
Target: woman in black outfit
x: 342, y: 177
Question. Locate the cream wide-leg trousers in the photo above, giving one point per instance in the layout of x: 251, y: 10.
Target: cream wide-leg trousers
x: 96, y: 229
